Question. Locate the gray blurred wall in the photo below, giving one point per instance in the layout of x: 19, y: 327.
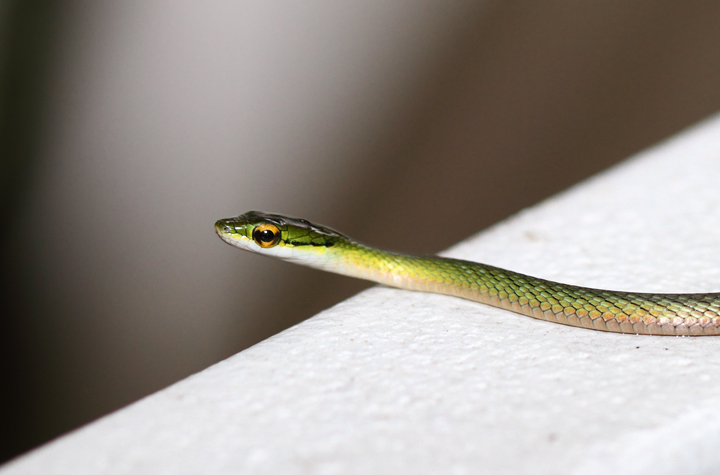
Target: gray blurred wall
x: 129, y: 127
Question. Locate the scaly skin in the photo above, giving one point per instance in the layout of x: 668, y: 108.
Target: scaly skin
x: 621, y: 312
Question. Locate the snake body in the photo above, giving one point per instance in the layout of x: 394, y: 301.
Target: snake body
x: 300, y: 241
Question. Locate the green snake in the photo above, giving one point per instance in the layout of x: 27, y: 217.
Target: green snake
x: 300, y: 241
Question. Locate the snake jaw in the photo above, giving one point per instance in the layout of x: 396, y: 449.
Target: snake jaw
x: 234, y: 239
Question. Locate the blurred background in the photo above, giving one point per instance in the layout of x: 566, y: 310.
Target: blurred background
x: 128, y: 127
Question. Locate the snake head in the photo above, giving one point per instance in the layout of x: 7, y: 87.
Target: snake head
x: 266, y: 233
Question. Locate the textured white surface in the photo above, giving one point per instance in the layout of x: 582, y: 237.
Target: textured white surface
x: 400, y: 382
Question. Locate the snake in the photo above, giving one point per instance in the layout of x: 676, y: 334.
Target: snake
x: 300, y: 241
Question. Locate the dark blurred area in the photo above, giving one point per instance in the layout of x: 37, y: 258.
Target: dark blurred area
x: 128, y: 128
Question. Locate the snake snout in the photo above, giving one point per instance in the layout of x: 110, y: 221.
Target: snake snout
x: 231, y: 226
x: 223, y: 226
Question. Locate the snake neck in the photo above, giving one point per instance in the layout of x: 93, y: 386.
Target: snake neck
x: 426, y: 273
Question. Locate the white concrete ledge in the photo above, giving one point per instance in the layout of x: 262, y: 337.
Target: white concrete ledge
x: 400, y: 382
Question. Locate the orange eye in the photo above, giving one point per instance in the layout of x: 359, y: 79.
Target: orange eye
x: 266, y: 235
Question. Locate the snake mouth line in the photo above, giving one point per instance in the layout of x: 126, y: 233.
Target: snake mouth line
x: 225, y: 232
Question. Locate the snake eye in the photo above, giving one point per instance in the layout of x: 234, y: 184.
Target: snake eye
x: 266, y: 235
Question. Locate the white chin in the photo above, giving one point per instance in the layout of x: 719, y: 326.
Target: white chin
x: 312, y: 257
x: 241, y: 242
